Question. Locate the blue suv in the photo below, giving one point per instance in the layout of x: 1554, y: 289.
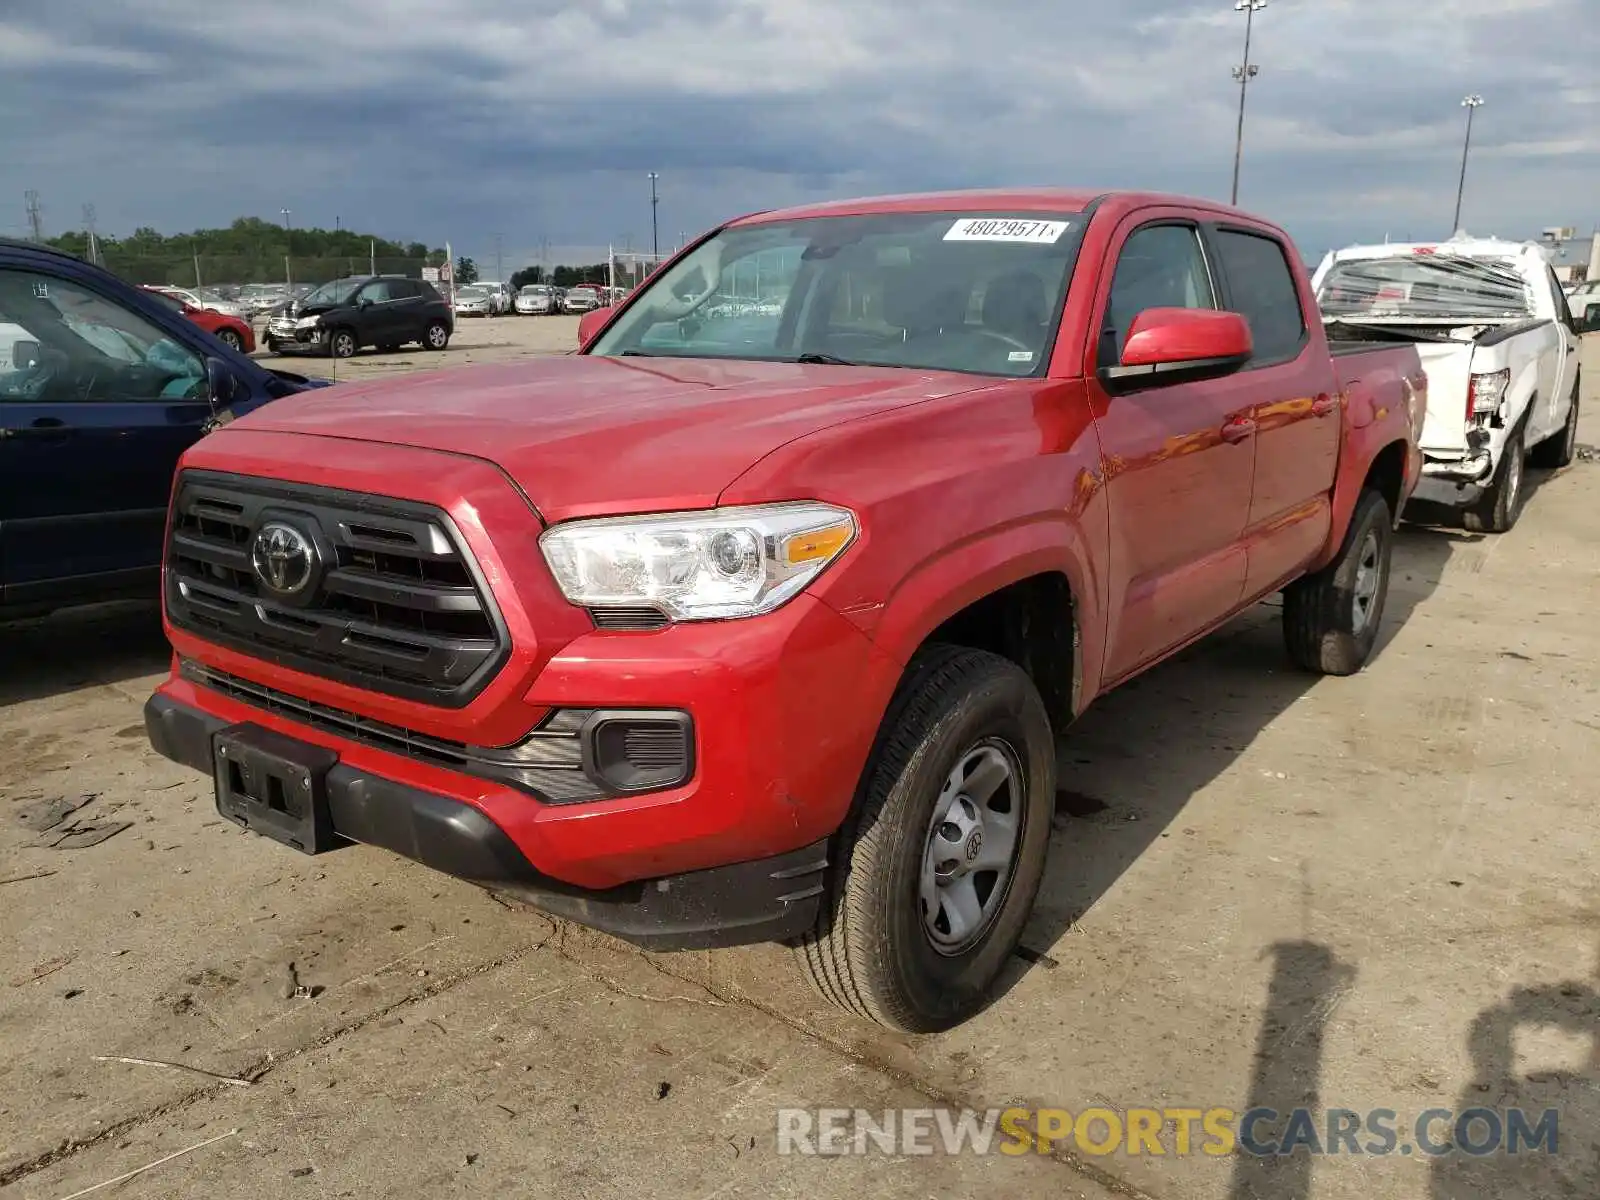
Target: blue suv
x: 102, y: 387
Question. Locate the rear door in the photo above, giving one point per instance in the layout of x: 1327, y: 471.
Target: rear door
x: 1290, y: 386
x: 1178, y: 458
x: 93, y: 429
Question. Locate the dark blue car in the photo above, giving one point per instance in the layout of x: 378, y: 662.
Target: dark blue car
x: 102, y: 387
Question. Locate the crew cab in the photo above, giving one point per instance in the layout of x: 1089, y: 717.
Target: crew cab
x: 102, y: 387
x: 733, y: 628
x: 1500, y: 349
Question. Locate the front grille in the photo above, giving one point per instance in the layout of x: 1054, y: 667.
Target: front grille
x: 547, y: 764
x: 394, y: 602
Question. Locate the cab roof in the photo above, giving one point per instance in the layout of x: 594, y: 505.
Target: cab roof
x: 987, y: 200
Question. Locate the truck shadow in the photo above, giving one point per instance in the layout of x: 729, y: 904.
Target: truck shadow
x: 66, y: 651
x: 1131, y: 764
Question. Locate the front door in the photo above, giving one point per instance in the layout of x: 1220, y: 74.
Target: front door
x: 1178, y: 461
x: 94, y: 422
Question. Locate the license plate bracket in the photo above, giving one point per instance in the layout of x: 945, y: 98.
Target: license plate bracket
x: 276, y: 786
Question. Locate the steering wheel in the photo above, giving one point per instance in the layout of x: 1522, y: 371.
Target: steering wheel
x: 1004, y: 339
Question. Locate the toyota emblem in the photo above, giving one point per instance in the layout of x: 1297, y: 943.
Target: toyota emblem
x: 282, y: 558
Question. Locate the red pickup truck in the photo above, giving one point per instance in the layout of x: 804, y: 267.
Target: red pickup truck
x: 759, y: 621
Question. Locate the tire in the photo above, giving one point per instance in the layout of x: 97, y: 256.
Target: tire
x: 1501, y: 504
x: 436, y: 336
x: 342, y: 343
x: 273, y: 346
x: 874, y: 951
x: 1560, y: 449
x: 1331, y: 619
x: 231, y: 340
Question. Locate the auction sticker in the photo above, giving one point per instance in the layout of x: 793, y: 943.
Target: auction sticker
x: 1006, y: 229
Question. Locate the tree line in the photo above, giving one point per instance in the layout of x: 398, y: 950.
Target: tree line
x: 248, y: 251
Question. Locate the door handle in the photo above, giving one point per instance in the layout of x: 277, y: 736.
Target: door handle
x: 42, y: 432
x: 1238, y: 429
x: 1323, y: 405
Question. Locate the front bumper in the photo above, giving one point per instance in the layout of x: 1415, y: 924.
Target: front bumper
x: 289, y: 333
x: 768, y: 899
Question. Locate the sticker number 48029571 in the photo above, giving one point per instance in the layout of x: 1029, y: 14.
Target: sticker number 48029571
x: 1006, y: 229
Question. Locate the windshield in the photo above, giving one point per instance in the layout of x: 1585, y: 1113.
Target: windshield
x: 1425, y: 287
x: 534, y: 289
x: 934, y: 291
x: 340, y: 291
x: 472, y: 292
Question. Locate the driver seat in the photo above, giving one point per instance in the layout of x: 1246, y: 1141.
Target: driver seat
x: 1015, y: 306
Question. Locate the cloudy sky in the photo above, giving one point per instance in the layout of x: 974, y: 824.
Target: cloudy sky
x: 538, y: 120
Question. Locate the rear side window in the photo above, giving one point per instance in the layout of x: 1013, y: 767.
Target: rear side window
x: 402, y: 289
x: 1261, y: 288
x: 429, y: 292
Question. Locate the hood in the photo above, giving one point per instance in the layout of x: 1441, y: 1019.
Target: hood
x: 587, y: 435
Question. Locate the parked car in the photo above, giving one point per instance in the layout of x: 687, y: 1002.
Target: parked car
x: 1492, y: 326
x: 205, y: 300
x: 386, y: 311
x: 259, y: 298
x: 773, y: 637
x: 1584, y: 302
x: 231, y: 331
x: 102, y: 387
x: 536, y: 299
x: 501, y: 298
x: 581, y: 300
x: 474, y: 301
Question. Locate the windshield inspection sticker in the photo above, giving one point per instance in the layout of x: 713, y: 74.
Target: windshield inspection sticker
x: 998, y: 229
x: 1021, y: 356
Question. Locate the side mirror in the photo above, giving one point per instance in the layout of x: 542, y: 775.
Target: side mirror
x: 221, y: 383
x: 1176, y: 345
x: 24, y: 355
x: 589, y: 325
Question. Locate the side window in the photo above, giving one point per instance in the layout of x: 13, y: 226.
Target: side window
x: 428, y: 292
x: 62, y: 343
x: 1161, y: 266
x: 378, y: 291
x: 1563, y: 309
x: 403, y: 289
x: 1261, y: 288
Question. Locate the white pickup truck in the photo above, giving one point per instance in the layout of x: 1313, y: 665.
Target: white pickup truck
x: 1498, y: 344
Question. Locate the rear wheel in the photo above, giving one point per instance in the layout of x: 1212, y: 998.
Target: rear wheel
x: 1559, y: 450
x: 936, y: 868
x: 1501, y: 504
x: 1331, y: 619
x: 231, y: 339
x: 436, y: 336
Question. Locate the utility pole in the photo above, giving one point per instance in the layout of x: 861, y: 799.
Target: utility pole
x: 88, y: 228
x: 1472, y: 104
x: 655, y: 238
x: 35, y: 215
x: 1244, y: 74
x: 499, y: 259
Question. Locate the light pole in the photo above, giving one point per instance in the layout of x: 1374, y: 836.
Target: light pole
x: 288, y: 248
x: 1244, y: 74
x: 655, y: 238
x: 1472, y: 104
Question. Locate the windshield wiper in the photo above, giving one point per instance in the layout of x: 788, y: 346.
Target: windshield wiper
x: 826, y: 360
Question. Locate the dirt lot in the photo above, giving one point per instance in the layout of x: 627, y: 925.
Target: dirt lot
x: 1265, y: 890
x: 476, y: 340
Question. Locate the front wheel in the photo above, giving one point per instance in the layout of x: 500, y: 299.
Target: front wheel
x: 1331, y: 619
x: 1556, y: 452
x: 341, y: 344
x: 436, y: 336
x: 231, y: 340
x: 936, y: 868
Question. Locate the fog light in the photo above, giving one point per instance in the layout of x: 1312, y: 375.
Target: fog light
x: 634, y: 751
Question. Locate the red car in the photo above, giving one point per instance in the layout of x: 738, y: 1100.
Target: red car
x: 759, y: 617
x: 232, y: 331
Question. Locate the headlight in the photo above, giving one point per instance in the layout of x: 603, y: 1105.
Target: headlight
x: 698, y: 566
x: 306, y: 322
